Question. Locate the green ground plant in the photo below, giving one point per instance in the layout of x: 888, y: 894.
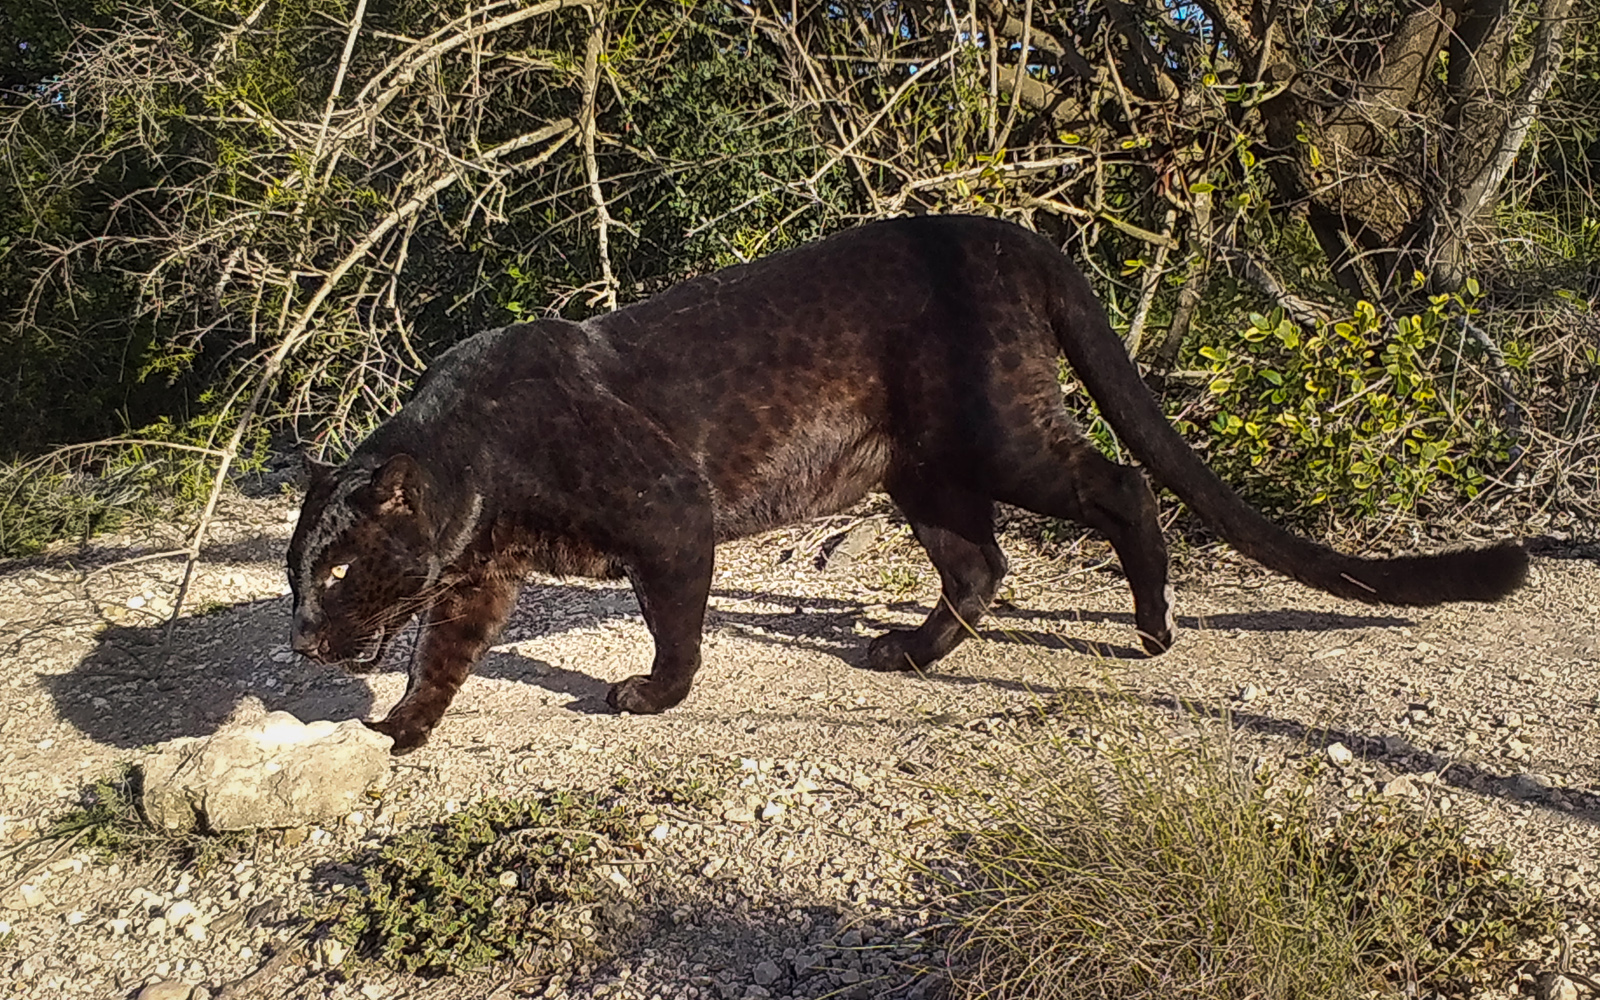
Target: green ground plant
x: 502, y: 879
x: 1116, y: 862
x: 107, y: 822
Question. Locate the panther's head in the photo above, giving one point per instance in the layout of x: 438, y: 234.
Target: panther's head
x: 361, y: 561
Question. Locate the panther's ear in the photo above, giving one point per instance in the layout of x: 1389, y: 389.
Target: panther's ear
x: 397, y: 486
x: 317, y: 473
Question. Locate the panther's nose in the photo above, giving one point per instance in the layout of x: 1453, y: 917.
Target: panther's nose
x: 305, y: 642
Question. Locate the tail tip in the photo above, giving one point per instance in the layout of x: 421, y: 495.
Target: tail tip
x: 1488, y: 574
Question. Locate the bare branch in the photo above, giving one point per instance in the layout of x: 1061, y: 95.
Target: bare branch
x: 1525, y: 104
x: 607, y: 295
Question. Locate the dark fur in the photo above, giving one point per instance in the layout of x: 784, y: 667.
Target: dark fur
x: 919, y: 354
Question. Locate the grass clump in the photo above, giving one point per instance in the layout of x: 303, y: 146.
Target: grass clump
x: 40, y: 504
x: 1120, y: 863
x: 164, y: 470
x: 512, y: 879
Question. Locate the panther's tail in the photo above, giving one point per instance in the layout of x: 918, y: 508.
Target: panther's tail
x: 1098, y: 357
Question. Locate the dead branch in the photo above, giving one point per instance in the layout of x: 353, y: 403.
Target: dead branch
x: 607, y: 296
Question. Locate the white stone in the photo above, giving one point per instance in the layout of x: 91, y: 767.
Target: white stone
x: 1402, y: 787
x: 1340, y: 754
x: 264, y: 773
x: 180, y: 913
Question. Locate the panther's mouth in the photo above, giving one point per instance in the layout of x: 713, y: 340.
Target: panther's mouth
x: 367, y: 654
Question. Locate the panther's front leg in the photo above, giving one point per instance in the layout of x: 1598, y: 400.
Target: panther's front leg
x: 461, y: 627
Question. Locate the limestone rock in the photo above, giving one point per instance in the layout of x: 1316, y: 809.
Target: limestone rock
x: 265, y: 772
x: 1554, y: 986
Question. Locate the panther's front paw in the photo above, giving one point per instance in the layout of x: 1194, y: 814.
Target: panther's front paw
x: 407, y: 736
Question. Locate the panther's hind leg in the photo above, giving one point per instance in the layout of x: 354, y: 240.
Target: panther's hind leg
x: 1060, y: 474
x: 956, y: 528
x: 672, y: 580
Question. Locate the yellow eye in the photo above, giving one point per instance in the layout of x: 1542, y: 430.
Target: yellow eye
x: 336, y: 574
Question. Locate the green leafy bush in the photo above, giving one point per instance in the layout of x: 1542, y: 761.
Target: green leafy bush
x: 502, y: 878
x: 1350, y: 419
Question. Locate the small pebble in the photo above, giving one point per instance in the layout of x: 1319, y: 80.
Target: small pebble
x: 767, y: 973
x: 167, y: 989
x: 331, y: 952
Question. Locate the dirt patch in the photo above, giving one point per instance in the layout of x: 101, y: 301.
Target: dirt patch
x: 1495, y: 707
